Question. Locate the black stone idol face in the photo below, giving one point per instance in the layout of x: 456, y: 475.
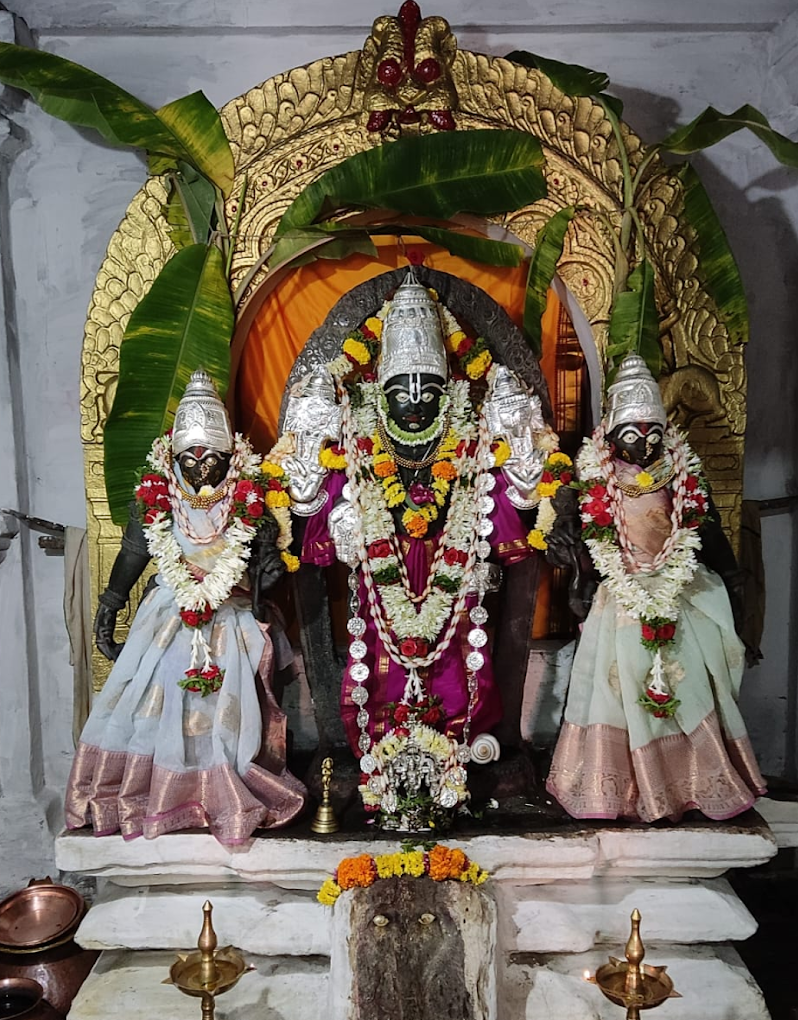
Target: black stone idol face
x: 637, y: 442
x: 201, y: 466
x: 414, y: 400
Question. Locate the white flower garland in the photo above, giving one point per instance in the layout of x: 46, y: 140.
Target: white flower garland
x: 644, y: 595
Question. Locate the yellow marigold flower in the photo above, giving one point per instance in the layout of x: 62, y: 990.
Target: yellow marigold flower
x: 376, y: 445
x: 329, y: 892
x: 501, y: 453
x: 332, y: 461
x: 414, y: 863
x: 276, y: 498
x: 291, y: 562
x: 272, y: 470
x: 357, y: 350
x: 536, y: 540
x: 387, y: 865
x: 479, y: 365
x: 375, y: 325
x: 395, y: 494
x: 428, y: 512
x: 548, y: 488
x: 453, y: 340
x: 560, y: 458
x: 643, y: 479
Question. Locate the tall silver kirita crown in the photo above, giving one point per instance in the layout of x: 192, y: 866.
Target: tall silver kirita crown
x: 634, y: 396
x: 412, y: 337
x: 201, y: 418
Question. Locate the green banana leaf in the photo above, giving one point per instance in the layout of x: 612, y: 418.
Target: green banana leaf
x: 467, y: 246
x: 189, y: 129
x: 542, y: 266
x: 300, y: 247
x: 715, y: 260
x: 634, y: 324
x: 184, y: 322
x: 175, y: 214
x: 198, y: 196
x: 711, y: 126
x: 572, y: 79
x: 483, y: 172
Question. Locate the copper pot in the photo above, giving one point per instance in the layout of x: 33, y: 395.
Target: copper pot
x: 19, y: 996
x: 42, y: 915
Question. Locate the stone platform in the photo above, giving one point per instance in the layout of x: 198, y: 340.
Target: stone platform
x: 563, y: 900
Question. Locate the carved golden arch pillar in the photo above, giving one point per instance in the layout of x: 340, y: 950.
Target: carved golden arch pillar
x: 290, y: 129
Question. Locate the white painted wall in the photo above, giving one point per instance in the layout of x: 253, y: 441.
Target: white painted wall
x: 65, y: 193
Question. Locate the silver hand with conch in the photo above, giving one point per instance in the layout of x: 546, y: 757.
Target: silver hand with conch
x: 312, y: 417
x: 343, y: 526
x: 514, y: 414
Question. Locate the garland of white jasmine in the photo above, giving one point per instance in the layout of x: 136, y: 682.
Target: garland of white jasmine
x: 648, y: 592
x: 198, y: 594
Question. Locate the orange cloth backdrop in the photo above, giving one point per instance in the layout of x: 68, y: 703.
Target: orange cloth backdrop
x: 300, y: 303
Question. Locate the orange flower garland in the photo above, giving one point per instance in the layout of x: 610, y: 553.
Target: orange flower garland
x: 441, y: 863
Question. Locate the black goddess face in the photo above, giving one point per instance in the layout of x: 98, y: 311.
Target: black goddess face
x: 414, y: 400
x: 637, y: 442
x: 201, y: 466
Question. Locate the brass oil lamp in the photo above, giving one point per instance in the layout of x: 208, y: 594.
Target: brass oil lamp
x: 209, y: 971
x: 630, y: 983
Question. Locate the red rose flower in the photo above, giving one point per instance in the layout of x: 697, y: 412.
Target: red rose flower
x: 273, y: 485
x: 597, y: 492
x: 365, y: 444
x: 367, y: 333
x: 648, y: 632
x: 147, y: 495
x: 666, y: 632
x: 369, y: 377
x: 661, y: 699
x: 151, y: 516
x: 255, y: 510
x: 692, y: 523
x: 409, y: 647
x: 465, y: 346
x: 192, y: 672
x: 162, y: 503
x: 460, y: 449
x: 454, y: 556
x: 432, y: 716
x: 189, y: 617
x: 248, y: 521
x: 380, y: 549
x: 547, y: 477
x: 691, y: 483
x: 660, y: 715
x: 151, y: 478
x: 595, y: 507
x: 401, y: 731
x: 565, y: 477
x: 604, y: 519
x: 193, y: 688
x: 401, y: 713
x: 206, y: 613
x: 243, y: 487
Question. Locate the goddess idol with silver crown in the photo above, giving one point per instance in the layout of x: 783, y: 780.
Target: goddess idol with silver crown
x: 186, y: 731
x: 419, y: 495
x: 651, y: 724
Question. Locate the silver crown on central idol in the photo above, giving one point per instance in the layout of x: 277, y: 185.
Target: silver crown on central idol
x: 412, y: 335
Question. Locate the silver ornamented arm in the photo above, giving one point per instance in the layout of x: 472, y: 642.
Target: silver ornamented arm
x: 312, y: 417
x: 513, y: 413
x: 343, y: 525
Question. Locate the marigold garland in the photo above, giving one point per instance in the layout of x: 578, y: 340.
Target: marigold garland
x: 441, y: 864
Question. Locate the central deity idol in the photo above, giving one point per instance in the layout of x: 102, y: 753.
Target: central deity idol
x: 419, y: 495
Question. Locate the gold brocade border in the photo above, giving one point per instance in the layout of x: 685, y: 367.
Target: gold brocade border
x: 290, y: 129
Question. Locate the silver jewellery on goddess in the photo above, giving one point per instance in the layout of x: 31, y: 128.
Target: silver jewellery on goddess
x: 201, y: 418
x: 412, y: 336
x: 514, y: 414
x: 634, y: 396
